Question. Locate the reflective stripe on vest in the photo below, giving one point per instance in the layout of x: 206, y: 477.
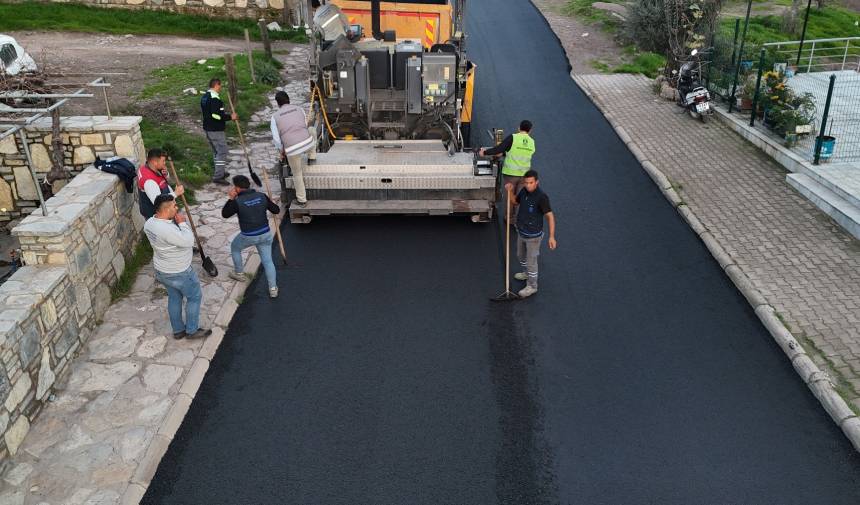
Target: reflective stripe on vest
x: 518, y: 159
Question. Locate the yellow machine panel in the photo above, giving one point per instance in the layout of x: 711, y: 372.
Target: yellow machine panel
x: 431, y: 24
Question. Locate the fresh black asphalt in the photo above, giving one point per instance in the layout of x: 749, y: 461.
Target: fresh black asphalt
x: 383, y: 375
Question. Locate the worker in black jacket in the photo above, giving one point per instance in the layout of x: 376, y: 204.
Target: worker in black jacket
x: 251, y: 207
x: 214, y: 123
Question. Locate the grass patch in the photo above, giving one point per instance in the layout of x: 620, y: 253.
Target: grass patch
x: 843, y: 387
x: 648, y: 64
x: 168, y: 82
x: 142, y: 255
x: 601, y: 66
x: 583, y: 10
x: 82, y: 18
x: 826, y: 23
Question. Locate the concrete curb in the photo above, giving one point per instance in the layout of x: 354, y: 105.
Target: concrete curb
x: 817, y: 381
x: 187, y: 391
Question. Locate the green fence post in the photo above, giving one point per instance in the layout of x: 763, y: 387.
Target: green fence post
x: 740, y: 56
x: 757, y: 86
x: 820, y: 137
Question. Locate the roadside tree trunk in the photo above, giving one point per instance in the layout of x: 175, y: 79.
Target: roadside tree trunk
x: 791, y: 16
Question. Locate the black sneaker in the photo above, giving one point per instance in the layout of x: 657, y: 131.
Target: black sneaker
x: 179, y: 336
x: 221, y: 182
x: 200, y: 333
x: 300, y: 205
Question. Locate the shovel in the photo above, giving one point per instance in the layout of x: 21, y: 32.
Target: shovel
x: 254, y: 176
x: 208, y: 264
x: 507, y: 295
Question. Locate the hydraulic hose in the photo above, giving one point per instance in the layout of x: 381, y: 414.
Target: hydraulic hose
x: 317, y: 94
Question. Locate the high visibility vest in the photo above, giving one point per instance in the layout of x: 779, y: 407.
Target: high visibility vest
x: 518, y: 159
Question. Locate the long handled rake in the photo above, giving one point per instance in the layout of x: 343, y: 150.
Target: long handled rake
x: 507, y: 295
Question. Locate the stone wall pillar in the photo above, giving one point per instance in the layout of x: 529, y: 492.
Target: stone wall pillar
x: 84, y: 138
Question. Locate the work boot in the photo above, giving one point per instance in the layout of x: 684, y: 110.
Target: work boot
x: 237, y: 276
x: 300, y: 205
x: 273, y: 292
x: 527, y: 292
x: 521, y: 276
x: 221, y: 182
x: 179, y: 335
x: 200, y: 333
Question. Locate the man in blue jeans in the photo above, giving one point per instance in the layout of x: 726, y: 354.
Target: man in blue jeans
x: 172, y: 242
x: 254, y: 230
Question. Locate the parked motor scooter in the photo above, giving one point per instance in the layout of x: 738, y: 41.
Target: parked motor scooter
x: 691, y: 94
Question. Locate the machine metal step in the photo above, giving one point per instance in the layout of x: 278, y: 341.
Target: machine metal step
x: 481, y: 210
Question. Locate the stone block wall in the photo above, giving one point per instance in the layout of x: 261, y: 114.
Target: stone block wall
x: 92, y: 225
x: 38, y: 337
x: 84, y: 138
x: 253, y: 9
x: 49, y: 308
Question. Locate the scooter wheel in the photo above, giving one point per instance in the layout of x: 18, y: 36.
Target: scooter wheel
x: 704, y: 117
x: 693, y: 114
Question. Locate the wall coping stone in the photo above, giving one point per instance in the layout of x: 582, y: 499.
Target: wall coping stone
x: 66, y: 207
x: 86, y: 123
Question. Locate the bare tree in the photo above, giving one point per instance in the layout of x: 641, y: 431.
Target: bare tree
x: 790, y: 17
x: 689, y: 24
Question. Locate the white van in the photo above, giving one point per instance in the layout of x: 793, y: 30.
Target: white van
x: 13, y: 59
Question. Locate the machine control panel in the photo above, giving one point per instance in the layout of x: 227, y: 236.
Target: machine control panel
x: 438, y: 78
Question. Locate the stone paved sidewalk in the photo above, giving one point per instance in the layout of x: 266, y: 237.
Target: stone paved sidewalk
x: 131, y: 384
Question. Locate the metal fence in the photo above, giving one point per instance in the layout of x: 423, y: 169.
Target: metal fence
x: 816, y: 111
x: 819, y: 55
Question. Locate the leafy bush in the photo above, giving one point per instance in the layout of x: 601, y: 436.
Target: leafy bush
x: 267, y: 73
x: 646, y: 26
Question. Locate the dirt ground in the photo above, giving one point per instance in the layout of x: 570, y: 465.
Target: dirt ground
x: 591, y: 44
x: 69, y: 52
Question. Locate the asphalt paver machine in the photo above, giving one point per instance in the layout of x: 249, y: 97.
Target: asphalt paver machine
x: 391, y: 95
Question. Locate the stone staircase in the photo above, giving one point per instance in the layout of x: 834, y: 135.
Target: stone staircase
x: 835, y: 189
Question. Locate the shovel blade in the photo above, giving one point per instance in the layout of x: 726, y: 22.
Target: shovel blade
x: 210, y: 267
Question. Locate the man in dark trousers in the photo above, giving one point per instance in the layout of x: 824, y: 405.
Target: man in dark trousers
x: 152, y: 181
x: 214, y: 123
x: 519, y: 148
x: 533, y: 207
x: 251, y: 207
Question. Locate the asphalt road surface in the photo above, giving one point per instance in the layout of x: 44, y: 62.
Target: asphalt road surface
x: 383, y: 375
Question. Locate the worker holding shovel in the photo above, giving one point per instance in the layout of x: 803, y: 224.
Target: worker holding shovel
x: 172, y: 241
x: 254, y: 230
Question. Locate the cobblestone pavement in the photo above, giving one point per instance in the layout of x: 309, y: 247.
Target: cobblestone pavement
x: 805, y: 265
x: 90, y: 442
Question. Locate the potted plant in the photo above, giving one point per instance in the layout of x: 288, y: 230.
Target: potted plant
x: 745, y: 99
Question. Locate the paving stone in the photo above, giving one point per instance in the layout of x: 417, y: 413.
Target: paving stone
x: 152, y: 347
x: 159, y: 378
x: 98, y: 377
x: 18, y: 473
x: 119, y: 345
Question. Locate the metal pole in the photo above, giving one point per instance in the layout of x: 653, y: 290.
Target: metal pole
x: 819, y: 139
x: 811, y: 55
x: 740, y: 56
x: 845, y: 56
x: 757, y: 86
x: 32, y: 171
x: 803, y: 33
x: 735, y: 41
